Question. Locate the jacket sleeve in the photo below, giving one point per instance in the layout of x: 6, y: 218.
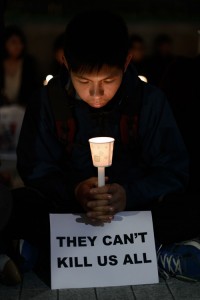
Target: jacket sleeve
x: 40, y: 156
x: 164, y: 159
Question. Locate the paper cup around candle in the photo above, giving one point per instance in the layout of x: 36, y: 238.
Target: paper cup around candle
x: 102, y: 151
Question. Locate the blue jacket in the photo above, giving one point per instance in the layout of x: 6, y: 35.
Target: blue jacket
x: 155, y: 165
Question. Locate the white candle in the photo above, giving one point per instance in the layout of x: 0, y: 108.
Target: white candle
x: 101, y: 176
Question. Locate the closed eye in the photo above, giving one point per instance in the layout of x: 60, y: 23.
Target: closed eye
x: 109, y: 80
x: 83, y: 81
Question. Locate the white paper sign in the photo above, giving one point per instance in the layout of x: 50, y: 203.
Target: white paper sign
x: 112, y: 254
x: 11, y: 118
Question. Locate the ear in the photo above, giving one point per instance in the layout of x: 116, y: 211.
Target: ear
x: 65, y: 63
x: 128, y: 59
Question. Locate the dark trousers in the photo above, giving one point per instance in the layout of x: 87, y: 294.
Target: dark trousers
x: 175, y: 219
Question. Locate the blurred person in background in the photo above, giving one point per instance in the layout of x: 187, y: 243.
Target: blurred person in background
x: 58, y: 54
x: 57, y: 59
x: 161, y: 58
x: 138, y: 51
x: 18, y: 80
x: 18, y: 75
x: 9, y: 273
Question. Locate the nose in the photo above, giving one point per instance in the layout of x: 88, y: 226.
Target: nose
x: 96, y: 91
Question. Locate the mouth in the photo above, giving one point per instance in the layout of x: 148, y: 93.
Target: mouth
x: 97, y: 105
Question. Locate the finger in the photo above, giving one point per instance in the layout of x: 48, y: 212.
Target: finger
x: 104, y: 219
x: 118, y: 205
x: 95, y: 197
x: 97, y: 203
x: 112, y: 188
x: 103, y: 200
x: 115, y: 203
x: 93, y: 181
x: 107, y: 209
x: 100, y: 190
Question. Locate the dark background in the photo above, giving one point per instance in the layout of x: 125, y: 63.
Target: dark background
x: 187, y: 9
x: 43, y: 20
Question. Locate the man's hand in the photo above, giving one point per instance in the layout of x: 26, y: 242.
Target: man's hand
x: 101, y: 203
x: 82, y: 191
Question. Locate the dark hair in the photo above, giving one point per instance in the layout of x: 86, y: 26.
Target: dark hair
x: 14, y: 30
x: 95, y: 38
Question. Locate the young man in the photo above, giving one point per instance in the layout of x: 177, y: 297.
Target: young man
x: 99, y: 94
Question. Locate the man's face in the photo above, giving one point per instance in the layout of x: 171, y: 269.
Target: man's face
x: 99, y: 87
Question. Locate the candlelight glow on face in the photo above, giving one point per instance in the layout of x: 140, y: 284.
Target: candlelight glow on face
x: 99, y: 87
x: 102, y: 153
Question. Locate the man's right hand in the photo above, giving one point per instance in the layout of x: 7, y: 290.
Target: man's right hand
x: 102, y: 210
x: 82, y: 191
